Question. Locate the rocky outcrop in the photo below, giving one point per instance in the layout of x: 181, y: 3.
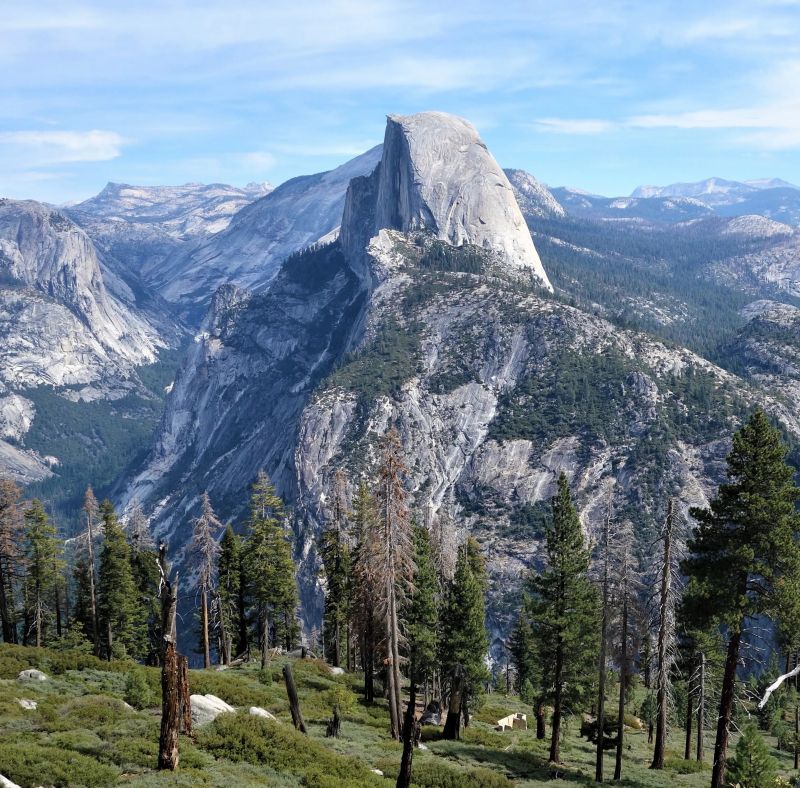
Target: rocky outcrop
x: 533, y: 198
x: 58, y: 323
x: 32, y: 674
x: 249, y: 252
x: 206, y: 708
x: 436, y: 174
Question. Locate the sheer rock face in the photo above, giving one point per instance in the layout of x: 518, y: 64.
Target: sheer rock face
x: 58, y: 322
x: 249, y: 252
x: 436, y: 174
x: 534, y: 198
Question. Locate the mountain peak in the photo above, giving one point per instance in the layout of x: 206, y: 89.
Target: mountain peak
x: 437, y: 174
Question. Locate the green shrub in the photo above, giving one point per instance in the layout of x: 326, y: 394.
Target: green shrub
x: 258, y: 741
x: 436, y: 773
x: 137, y: 690
x: 265, y: 676
x: 30, y: 765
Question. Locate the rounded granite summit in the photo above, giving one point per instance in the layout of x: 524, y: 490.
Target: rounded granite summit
x: 436, y: 173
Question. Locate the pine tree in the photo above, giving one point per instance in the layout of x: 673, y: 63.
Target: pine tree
x: 364, y: 585
x: 752, y: 766
x: 231, y: 595
x: 147, y: 579
x: 563, y: 613
x: 423, y: 615
x: 270, y: 568
x: 205, y: 549
x: 394, y: 563
x: 465, y: 641
x: 335, y: 556
x: 86, y: 540
x: 42, y: 569
x: 744, y: 558
x: 118, y: 610
x: 10, y: 557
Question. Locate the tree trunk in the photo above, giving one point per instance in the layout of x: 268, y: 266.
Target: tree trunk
x: 540, y: 729
x: 58, y: 609
x: 687, y: 749
x: 38, y: 618
x: 170, y: 690
x: 241, y: 602
x: 623, y: 681
x: 452, y: 725
x: 184, y: 703
x: 294, y: 702
x: 264, y: 639
x: 701, y: 703
x: 662, y: 678
x: 409, y: 735
x: 555, y: 734
x: 8, y: 629
x: 92, y: 589
x: 601, y: 684
x: 204, y: 628
x: 725, y: 710
x: 392, y: 690
x: 224, y: 634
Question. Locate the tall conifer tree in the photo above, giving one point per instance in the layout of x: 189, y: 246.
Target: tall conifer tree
x: 270, y: 568
x: 10, y: 557
x: 231, y: 595
x: 564, y: 615
x: 205, y: 550
x: 744, y: 557
x: 42, y: 570
x: 335, y: 555
x: 423, y: 615
x: 119, y: 610
x: 465, y: 642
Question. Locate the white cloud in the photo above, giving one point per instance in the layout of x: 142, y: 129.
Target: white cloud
x: 574, y: 125
x: 56, y: 147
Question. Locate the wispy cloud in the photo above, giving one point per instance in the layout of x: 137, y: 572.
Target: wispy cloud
x: 58, y: 147
x: 574, y: 125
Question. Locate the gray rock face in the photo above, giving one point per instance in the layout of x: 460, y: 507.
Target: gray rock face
x: 436, y: 174
x: 32, y: 674
x: 138, y: 228
x: 250, y: 250
x: 533, y: 198
x: 257, y: 711
x: 206, y: 708
x: 58, y: 322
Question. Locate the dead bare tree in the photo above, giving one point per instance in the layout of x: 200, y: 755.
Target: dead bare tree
x: 410, y: 733
x: 396, y: 562
x: 665, y: 644
x: 605, y: 559
x: 91, y: 513
x: 205, y: 550
x: 294, y: 701
x: 168, y: 755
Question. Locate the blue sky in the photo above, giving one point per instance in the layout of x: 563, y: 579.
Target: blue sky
x: 602, y: 96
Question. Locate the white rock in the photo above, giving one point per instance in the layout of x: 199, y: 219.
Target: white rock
x: 206, y: 708
x: 257, y: 711
x: 6, y: 783
x: 377, y: 771
x: 436, y: 173
x: 336, y: 671
x: 31, y: 674
x: 29, y: 705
